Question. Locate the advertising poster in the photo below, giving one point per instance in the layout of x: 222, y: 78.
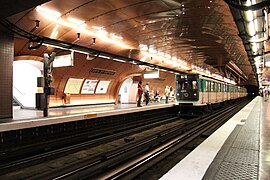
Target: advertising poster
x: 89, y: 86
x: 102, y: 87
x: 73, y: 86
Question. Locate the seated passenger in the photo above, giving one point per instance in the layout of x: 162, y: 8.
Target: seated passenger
x: 152, y: 96
x: 157, y: 97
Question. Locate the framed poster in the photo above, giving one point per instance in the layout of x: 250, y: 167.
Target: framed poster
x: 102, y: 87
x: 73, y: 86
x: 89, y: 86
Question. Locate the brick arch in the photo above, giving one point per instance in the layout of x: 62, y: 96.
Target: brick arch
x: 122, y: 81
x: 82, y: 70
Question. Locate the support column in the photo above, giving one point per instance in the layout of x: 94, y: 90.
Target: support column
x: 6, y: 74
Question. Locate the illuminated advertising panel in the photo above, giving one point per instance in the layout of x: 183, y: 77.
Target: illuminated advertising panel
x: 151, y: 74
x: 73, y: 86
x: 89, y: 86
x: 64, y: 60
x: 102, y: 87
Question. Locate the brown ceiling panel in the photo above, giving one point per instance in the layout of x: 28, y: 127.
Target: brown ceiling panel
x: 202, y: 33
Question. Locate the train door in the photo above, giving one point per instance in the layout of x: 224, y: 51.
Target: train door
x: 219, y: 92
x: 222, y: 92
x: 207, y: 91
x: 229, y: 92
x: 213, y: 93
x: 202, y: 91
x: 225, y: 92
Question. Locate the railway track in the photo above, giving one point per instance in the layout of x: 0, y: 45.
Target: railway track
x: 140, y: 166
x: 126, y: 157
x: 19, y: 157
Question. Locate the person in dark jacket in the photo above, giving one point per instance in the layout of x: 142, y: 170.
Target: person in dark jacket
x: 140, y: 92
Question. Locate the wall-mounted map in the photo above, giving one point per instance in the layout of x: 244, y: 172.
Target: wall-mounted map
x: 102, y: 87
x: 73, y: 86
x: 89, y: 86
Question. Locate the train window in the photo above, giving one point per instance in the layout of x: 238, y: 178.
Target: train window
x: 208, y: 86
x: 185, y: 85
x: 212, y: 86
x: 194, y: 85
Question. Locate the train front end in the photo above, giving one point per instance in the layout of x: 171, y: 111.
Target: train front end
x: 187, y: 93
x: 187, y: 90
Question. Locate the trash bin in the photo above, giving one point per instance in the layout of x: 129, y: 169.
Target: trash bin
x: 119, y: 98
x: 67, y: 98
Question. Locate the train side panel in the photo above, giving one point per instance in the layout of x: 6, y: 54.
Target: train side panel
x: 198, y: 90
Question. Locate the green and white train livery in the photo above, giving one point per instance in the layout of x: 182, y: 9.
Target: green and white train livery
x: 199, y: 90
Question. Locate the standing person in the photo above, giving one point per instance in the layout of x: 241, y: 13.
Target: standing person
x: 167, y: 93
x: 171, y: 93
x: 140, y: 92
x: 146, y: 94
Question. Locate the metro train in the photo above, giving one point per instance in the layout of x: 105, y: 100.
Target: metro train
x: 197, y: 93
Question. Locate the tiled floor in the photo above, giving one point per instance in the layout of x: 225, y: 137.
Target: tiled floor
x: 264, y: 170
x: 195, y: 165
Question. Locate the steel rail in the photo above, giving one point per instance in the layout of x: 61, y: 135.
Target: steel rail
x: 137, y: 166
x: 129, y: 129
x: 114, y: 158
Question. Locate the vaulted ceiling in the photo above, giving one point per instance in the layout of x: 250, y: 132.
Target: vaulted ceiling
x: 184, y: 35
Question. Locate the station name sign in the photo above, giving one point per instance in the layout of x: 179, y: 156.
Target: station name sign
x: 102, y: 71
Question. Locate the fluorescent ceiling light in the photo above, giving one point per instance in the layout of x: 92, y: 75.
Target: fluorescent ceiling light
x: 114, y: 36
x: 78, y: 22
x: 48, y: 13
x: 97, y: 27
x: 151, y: 74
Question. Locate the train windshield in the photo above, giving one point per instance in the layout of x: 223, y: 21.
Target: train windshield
x: 187, y: 88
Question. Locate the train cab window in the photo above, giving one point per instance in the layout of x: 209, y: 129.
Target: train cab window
x: 194, y: 85
x: 188, y: 89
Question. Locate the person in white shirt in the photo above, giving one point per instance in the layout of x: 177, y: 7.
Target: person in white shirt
x: 146, y: 94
